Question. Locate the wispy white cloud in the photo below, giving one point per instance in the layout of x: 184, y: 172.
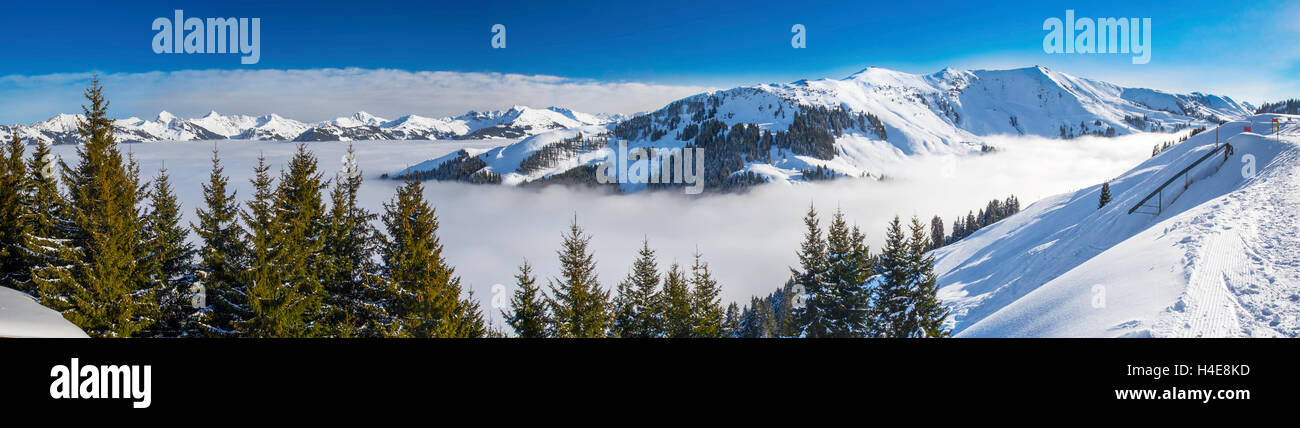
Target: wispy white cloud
x: 321, y: 94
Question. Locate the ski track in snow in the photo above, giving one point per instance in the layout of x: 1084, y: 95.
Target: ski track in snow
x: 1245, y: 270
x: 1221, y: 259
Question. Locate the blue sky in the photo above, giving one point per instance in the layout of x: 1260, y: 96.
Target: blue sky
x: 1245, y: 51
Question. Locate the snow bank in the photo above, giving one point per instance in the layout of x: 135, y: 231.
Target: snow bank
x: 1223, y: 259
x: 21, y: 316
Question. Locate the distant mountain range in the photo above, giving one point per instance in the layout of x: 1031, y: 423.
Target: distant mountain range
x: 798, y: 131
x: 516, y: 122
x: 807, y: 130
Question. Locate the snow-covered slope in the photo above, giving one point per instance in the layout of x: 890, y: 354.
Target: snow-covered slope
x: 851, y: 126
x: 516, y: 122
x: 1222, y: 258
x: 21, y: 316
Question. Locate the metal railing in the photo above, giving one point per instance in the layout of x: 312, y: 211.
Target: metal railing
x: 1187, y: 180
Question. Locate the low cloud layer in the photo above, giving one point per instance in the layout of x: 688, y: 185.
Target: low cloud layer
x: 322, y: 94
x: 750, y: 239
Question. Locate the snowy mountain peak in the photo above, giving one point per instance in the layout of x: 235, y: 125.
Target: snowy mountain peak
x: 849, y: 126
x: 165, y: 117
x: 516, y: 122
x: 369, y: 119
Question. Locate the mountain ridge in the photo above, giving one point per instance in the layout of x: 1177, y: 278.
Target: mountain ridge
x: 814, y: 129
x: 516, y: 122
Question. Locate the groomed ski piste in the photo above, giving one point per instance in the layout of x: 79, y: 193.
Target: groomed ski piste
x: 1221, y: 260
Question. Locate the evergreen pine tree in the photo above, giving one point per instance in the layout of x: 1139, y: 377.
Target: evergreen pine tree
x: 732, y: 324
x: 636, y: 304
x: 1105, y: 195
x: 782, y: 306
x: 528, y: 306
x: 893, y: 295
x: 168, y: 261
x: 221, y: 257
x: 104, y: 290
x: 676, y: 301
x: 810, y: 320
x: 750, y: 323
x: 928, y: 313
x: 14, y: 193
x: 839, y: 299
x: 300, y: 217
x: 270, y: 306
x: 579, y: 307
x: 354, y: 294
x: 936, y: 232
x: 428, y: 302
x: 48, y: 229
x: 708, y: 317
x: 859, y: 292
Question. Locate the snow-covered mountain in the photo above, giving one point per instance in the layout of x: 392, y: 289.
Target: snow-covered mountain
x: 784, y: 132
x: 516, y: 122
x: 1220, y: 257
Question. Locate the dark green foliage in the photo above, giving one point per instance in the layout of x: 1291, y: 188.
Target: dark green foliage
x: 221, y: 257
x: 167, y: 262
x: 559, y: 151
x: 770, y: 316
x: 272, y: 309
x: 355, y: 296
x: 579, y: 307
x: 810, y: 280
x: 48, y: 228
x: 463, y: 167
x: 930, y: 313
x: 286, y: 227
x: 583, y: 177
x: 936, y: 232
x: 676, y: 303
x: 893, y: 298
x: 103, y: 290
x: 300, y: 217
x: 707, y: 317
x: 833, y: 276
x: 906, y: 303
x: 15, y: 192
x: 528, y: 315
x: 428, y: 301
x: 1105, y: 195
x: 1290, y: 106
x: 732, y: 324
x: 637, y: 299
x: 993, y: 212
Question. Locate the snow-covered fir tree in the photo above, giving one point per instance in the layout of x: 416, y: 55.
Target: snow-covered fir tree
x: 356, y: 298
x: 221, y: 257
x: 104, y: 290
x: 15, y: 193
